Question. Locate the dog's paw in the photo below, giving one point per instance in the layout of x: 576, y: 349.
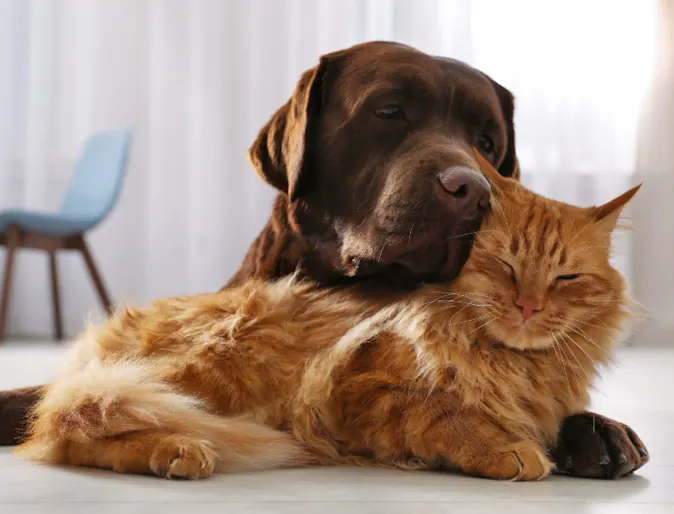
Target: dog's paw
x: 183, y: 457
x: 520, y: 462
x: 593, y: 446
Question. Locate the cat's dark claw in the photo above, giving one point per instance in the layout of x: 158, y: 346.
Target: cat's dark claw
x: 593, y: 446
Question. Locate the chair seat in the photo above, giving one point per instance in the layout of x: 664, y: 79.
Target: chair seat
x: 92, y: 194
x: 53, y: 224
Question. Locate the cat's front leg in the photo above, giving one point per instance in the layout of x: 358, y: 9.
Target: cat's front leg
x: 470, y: 441
x: 520, y: 461
x: 149, y: 452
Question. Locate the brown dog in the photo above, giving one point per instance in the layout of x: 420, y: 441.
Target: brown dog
x: 371, y: 156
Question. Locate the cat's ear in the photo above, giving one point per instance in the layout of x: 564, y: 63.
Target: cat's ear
x: 491, y: 173
x: 607, y: 214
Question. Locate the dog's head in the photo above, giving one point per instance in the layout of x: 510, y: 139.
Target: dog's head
x: 374, y: 154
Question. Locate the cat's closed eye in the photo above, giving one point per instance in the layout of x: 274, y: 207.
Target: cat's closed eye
x: 570, y: 276
x: 509, y: 269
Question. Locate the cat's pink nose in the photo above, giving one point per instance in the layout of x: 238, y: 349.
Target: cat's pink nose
x: 528, y: 307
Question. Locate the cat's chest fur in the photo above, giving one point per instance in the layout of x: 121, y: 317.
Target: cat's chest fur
x: 402, y: 364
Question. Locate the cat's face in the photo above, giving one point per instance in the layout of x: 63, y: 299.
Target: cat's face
x: 539, y: 271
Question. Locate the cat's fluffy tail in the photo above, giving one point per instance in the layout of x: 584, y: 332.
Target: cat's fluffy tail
x: 106, y: 401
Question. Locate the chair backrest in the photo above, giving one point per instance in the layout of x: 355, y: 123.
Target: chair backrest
x: 98, y: 177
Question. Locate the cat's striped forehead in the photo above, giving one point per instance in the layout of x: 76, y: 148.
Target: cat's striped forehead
x: 530, y: 224
x: 539, y: 231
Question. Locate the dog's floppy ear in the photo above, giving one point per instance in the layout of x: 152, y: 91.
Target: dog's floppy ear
x: 280, y: 154
x: 509, y: 167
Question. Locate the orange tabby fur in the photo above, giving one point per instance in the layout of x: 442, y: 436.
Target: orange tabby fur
x: 287, y: 374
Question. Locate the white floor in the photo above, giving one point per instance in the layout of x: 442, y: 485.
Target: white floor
x: 639, y: 391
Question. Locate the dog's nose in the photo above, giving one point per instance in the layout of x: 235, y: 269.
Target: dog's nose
x: 465, y: 190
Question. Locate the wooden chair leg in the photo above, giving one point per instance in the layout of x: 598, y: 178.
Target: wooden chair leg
x: 96, y: 277
x: 56, y: 301
x: 12, y: 243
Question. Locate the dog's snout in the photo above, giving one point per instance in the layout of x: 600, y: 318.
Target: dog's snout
x: 465, y: 190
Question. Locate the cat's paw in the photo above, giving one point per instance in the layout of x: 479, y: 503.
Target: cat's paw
x: 183, y: 457
x: 520, y: 462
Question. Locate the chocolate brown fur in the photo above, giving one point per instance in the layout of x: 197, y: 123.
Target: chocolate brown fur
x: 14, y: 407
x: 358, y: 194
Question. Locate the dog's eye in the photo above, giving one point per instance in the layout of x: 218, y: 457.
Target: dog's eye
x: 571, y: 276
x: 486, y: 145
x: 390, y: 112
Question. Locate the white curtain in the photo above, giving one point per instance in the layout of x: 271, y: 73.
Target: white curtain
x: 653, y: 211
x: 196, y: 79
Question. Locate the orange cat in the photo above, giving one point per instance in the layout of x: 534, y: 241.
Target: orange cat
x: 475, y: 375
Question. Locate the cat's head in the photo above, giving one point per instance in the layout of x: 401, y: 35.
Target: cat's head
x: 539, y: 271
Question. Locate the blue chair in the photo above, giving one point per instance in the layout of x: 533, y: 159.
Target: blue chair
x: 92, y: 194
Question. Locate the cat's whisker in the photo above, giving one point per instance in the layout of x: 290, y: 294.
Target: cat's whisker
x: 583, y: 322
x: 505, y: 218
x: 474, y: 232
x: 559, y: 358
x: 466, y: 302
x: 568, y: 348
x: 451, y: 321
x: 565, y: 365
x: 573, y: 354
x: 568, y: 338
x: 467, y: 293
x: 434, y: 300
x: 457, y: 302
x: 578, y: 328
x: 565, y: 360
x: 479, y: 318
x: 476, y: 297
x: 587, y: 248
x: 445, y: 295
x: 485, y: 324
x: 585, y: 227
x: 588, y: 339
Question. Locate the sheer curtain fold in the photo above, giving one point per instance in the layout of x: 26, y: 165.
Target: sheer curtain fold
x: 653, y: 209
x: 196, y: 80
